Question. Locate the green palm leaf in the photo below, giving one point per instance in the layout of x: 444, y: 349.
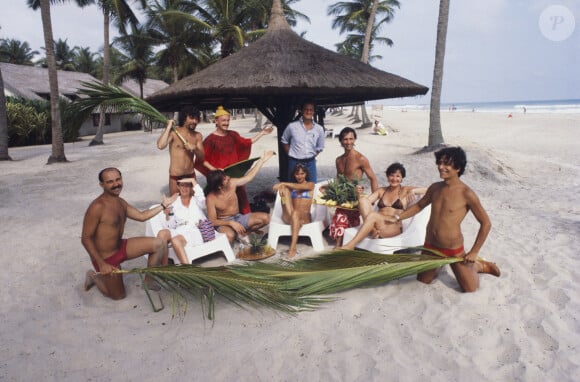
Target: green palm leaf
x: 240, y: 289
x: 337, y: 271
x: 291, y: 286
x: 96, y: 96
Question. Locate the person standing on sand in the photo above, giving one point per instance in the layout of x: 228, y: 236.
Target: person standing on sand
x: 450, y: 201
x: 102, y: 236
x: 225, y: 147
x: 185, y: 146
x: 303, y: 140
x: 353, y: 165
x: 222, y: 203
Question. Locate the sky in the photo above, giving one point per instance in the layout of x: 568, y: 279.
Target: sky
x: 497, y: 50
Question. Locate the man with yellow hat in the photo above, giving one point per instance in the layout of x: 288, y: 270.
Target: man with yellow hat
x: 225, y: 147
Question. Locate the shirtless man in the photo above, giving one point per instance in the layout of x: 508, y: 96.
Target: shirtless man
x: 450, y: 201
x: 185, y: 146
x: 353, y: 165
x: 222, y: 202
x: 102, y: 234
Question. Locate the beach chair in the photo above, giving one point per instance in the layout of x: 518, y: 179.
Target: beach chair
x: 219, y: 244
x: 413, y: 235
x: 313, y: 230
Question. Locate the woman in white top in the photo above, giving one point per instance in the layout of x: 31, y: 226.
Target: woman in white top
x: 182, y: 218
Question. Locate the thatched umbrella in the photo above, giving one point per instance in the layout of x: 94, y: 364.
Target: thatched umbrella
x: 277, y: 73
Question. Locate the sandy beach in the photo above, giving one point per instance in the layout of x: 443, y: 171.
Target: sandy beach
x: 521, y: 327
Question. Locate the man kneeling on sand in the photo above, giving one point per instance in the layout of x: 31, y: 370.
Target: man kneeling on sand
x: 222, y: 203
x: 102, y: 236
x: 450, y: 201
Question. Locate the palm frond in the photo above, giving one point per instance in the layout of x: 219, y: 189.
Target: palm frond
x: 240, y: 289
x: 337, y: 271
x: 96, y: 96
x: 291, y: 286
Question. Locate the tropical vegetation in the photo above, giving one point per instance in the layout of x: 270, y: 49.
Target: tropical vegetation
x: 290, y: 287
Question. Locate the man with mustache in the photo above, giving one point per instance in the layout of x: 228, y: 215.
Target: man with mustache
x: 185, y: 146
x: 102, y: 236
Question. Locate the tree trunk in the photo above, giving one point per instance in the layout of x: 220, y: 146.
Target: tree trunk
x: 3, y: 124
x: 98, y: 139
x: 57, y: 140
x: 366, y: 122
x: 435, y: 133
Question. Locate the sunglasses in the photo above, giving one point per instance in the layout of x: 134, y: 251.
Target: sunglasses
x: 188, y: 185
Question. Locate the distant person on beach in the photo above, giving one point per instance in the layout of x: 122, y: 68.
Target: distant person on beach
x: 222, y: 203
x: 225, y: 147
x: 379, y: 128
x: 182, y: 219
x: 102, y: 236
x: 303, y: 140
x: 391, y: 200
x: 353, y: 165
x: 185, y: 145
x: 296, y: 202
x: 450, y: 201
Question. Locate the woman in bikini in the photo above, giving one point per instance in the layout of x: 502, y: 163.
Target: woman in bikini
x: 296, y: 201
x: 391, y: 200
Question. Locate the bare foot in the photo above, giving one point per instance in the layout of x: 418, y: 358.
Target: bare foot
x: 89, y: 281
x: 291, y: 253
x: 490, y: 268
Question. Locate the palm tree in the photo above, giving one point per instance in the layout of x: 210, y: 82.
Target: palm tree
x: 187, y: 43
x: 64, y: 56
x: 57, y: 140
x: 359, y: 16
x: 16, y: 52
x: 435, y: 133
x: 139, y: 53
x: 3, y: 123
x: 120, y: 12
x: 57, y: 154
x: 84, y: 61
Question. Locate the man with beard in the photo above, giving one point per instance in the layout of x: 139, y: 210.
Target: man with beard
x: 224, y: 147
x: 102, y: 236
x: 185, y: 146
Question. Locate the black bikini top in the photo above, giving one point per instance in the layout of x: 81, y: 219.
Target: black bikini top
x: 397, y: 204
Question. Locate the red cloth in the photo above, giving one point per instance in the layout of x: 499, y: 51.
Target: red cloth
x: 343, y: 219
x: 222, y: 151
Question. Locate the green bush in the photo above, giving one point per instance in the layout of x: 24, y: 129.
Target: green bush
x: 29, y: 122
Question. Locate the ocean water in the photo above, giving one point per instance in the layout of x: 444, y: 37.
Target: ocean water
x: 568, y: 106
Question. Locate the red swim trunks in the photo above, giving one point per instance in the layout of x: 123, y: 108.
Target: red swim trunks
x: 116, y: 259
x: 447, y: 252
x: 177, y: 177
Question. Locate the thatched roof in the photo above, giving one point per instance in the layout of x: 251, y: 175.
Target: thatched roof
x: 32, y: 82
x: 150, y: 86
x: 281, y: 67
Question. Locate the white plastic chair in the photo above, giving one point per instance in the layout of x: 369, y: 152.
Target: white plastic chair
x: 220, y: 243
x: 413, y: 235
x: 313, y: 230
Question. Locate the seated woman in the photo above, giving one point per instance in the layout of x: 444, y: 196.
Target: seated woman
x: 296, y: 201
x: 391, y: 200
x: 182, y: 217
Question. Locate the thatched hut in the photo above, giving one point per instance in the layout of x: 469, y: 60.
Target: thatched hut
x: 278, y: 72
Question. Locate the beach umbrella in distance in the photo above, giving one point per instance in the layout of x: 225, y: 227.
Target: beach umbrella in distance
x: 277, y: 73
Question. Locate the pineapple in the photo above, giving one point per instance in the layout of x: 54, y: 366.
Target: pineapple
x: 341, y: 192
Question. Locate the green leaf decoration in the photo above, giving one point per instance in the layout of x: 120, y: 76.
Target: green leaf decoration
x: 95, y: 96
x: 287, y: 286
x: 239, y: 169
